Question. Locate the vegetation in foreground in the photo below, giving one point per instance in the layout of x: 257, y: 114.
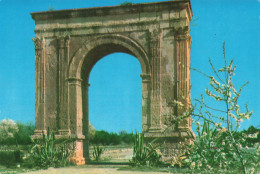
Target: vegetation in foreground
x: 19, y: 153
x: 145, y: 154
x: 97, y: 152
x: 51, y: 152
x: 218, y: 147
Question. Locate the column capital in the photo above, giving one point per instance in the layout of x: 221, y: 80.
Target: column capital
x: 181, y: 33
x: 63, y: 41
x: 155, y: 34
x: 74, y: 81
x: 38, y: 42
x: 146, y: 78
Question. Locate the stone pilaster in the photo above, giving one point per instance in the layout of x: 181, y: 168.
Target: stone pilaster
x: 75, y: 115
x: 155, y: 106
x: 182, y: 71
x: 85, y: 89
x: 155, y: 62
x: 146, y: 92
x: 63, y: 64
x: 40, y: 125
x: 75, y: 107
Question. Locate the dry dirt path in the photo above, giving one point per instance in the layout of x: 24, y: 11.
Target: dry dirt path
x: 89, y: 170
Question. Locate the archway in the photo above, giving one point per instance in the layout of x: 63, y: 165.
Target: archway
x: 68, y: 43
x: 90, y: 55
x: 115, y: 100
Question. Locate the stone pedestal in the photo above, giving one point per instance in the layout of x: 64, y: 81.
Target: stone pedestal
x: 78, y: 154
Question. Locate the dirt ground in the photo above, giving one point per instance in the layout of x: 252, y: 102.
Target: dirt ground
x: 111, y: 154
x: 116, y: 154
x: 89, y: 170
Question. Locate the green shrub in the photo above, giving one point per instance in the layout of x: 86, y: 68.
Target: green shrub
x: 15, y: 133
x: 126, y: 3
x: 10, y: 158
x: 106, y: 138
x: 101, y: 137
x: 145, y: 154
x: 97, y: 152
x: 218, y: 146
x: 51, y: 152
x: 25, y: 131
x: 252, y: 136
x: 115, y: 139
x: 7, y: 130
x: 127, y: 138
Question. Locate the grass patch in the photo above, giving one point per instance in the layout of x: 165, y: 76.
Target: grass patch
x: 14, y: 170
x: 10, y: 158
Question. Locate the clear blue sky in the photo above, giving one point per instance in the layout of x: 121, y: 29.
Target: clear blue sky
x: 235, y: 21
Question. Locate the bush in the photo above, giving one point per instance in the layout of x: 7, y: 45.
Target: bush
x: 7, y: 130
x: 252, y: 135
x: 23, y: 136
x: 145, y: 155
x: 218, y: 147
x: 12, y: 133
x: 106, y: 138
x: 97, y: 152
x: 51, y: 152
x: 126, y: 3
x: 127, y: 138
x: 101, y: 137
x: 10, y: 158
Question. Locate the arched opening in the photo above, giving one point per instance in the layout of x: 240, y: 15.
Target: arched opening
x: 115, y: 104
x: 115, y: 94
x: 93, y: 57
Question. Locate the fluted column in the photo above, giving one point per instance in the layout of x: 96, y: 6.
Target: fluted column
x: 75, y: 114
x: 40, y: 125
x: 182, y: 78
x: 75, y: 106
x: 155, y: 98
x: 63, y: 63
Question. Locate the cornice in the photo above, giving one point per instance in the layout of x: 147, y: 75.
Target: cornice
x: 113, y: 10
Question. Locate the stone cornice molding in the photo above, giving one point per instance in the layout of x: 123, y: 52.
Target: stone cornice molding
x: 114, y: 10
x: 88, y: 29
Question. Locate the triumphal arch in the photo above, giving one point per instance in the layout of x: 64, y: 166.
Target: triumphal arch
x: 68, y: 43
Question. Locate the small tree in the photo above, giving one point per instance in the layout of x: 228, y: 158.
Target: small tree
x: 217, y: 147
x: 25, y: 131
x: 8, y: 128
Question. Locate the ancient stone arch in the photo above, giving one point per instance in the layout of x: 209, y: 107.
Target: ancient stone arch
x: 68, y: 43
